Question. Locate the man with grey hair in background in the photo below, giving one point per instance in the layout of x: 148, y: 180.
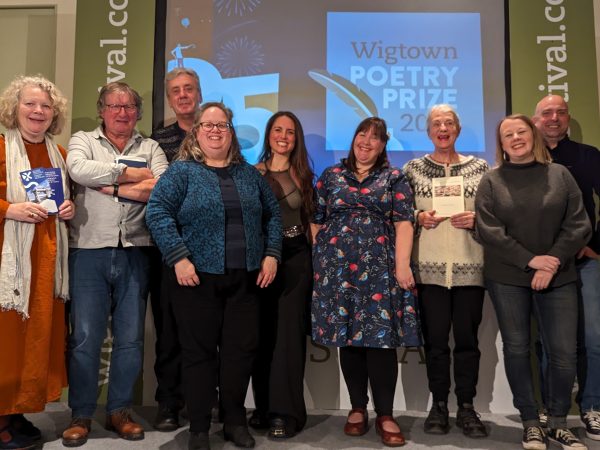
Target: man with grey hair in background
x: 583, y: 161
x: 182, y: 87
x: 114, y: 169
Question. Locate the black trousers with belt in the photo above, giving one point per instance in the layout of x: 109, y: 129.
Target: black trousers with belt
x: 218, y: 332
x: 278, y: 375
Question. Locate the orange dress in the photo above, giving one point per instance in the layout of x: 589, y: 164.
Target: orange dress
x: 32, y: 351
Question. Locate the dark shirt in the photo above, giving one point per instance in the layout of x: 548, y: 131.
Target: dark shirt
x: 169, y: 138
x: 235, y: 240
x: 583, y: 161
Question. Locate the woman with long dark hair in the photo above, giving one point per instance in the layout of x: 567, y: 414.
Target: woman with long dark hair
x: 278, y: 373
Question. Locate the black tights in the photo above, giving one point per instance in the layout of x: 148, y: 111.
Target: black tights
x: 361, y: 365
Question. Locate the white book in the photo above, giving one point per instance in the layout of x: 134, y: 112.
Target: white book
x: 448, y: 196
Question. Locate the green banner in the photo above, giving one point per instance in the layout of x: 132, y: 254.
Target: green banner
x: 114, y: 42
x: 552, y: 51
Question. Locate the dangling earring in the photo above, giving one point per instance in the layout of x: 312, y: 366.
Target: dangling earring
x: 505, y: 156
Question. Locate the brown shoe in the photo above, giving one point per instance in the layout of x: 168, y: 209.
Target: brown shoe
x: 77, y: 432
x: 389, y: 438
x: 357, y: 428
x: 123, y: 424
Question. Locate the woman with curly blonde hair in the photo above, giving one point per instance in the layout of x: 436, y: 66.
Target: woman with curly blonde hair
x: 33, y: 265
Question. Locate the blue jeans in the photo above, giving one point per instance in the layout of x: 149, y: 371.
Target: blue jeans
x: 105, y: 282
x: 555, y: 310
x: 589, y: 361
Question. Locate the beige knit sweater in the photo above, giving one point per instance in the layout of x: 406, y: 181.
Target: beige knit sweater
x: 445, y: 256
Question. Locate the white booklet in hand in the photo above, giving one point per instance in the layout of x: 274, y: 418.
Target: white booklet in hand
x: 448, y: 196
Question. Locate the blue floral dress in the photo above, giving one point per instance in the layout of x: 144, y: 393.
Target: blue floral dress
x: 356, y: 298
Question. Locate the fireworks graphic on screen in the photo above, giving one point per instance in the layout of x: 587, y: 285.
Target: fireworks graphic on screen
x: 240, y: 56
x: 236, y: 7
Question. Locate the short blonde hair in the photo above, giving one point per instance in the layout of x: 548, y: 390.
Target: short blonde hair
x: 540, y: 152
x: 9, y: 102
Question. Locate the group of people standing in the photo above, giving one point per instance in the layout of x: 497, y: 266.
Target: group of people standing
x: 249, y: 260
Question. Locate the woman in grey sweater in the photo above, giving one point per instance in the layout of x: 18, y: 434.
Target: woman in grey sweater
x: 531, y: 223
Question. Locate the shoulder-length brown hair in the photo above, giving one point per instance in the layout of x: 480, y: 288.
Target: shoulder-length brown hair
x: 540, y: 152
x: 9, y: 102
x: 379, y: 127
x: 190, y: 147
x: 300, y: 162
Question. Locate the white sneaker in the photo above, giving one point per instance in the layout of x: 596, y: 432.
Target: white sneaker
x: 566, y: 439
x: 591, y: 419
x: 534, y: 438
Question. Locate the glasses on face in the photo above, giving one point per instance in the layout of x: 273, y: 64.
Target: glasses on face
x: 116, y: 108
x: 209, y: 126
x: 436, y: 124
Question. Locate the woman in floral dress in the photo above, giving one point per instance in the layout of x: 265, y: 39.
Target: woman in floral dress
x: 362, y: 299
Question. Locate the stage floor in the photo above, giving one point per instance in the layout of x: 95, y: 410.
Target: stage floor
x: 323, y: 431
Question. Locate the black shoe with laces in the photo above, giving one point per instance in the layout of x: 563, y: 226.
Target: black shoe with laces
x: 437, y: 420
x: 566, y: 439
x: 468, y: 419
x: 591, y: 419
x: 534, y: 438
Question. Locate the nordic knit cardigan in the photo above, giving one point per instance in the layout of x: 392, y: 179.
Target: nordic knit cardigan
x: 444, y: 255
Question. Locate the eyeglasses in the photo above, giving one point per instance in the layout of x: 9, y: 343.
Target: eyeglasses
x: 115, y: 108
x: 209, y: 126
x: 448, y: 124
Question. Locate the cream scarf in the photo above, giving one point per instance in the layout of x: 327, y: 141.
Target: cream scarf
x: 15, y: 266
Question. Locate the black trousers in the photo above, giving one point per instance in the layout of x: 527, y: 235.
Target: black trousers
x: 218, y: 331
x: 278, y: 374
x: 460, y: 308
x: 167, y: 365
x: 379, y: 366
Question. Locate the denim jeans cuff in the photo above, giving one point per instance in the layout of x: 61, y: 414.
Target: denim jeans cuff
x: 117, y: 410
x: 557, y: 422
x: 531, y: 423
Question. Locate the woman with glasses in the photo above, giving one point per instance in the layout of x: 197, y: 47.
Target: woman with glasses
x: 448, y: 266
x: 217, y: 224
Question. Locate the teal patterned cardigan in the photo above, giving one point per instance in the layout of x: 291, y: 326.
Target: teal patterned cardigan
x: 186, y: 216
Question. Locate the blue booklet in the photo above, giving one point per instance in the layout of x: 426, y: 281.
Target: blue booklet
x: 44, y: 186
x: 130, y: 161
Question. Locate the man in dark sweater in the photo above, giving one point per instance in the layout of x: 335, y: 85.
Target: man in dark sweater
x: 184, y: 96
x: 583, y: 161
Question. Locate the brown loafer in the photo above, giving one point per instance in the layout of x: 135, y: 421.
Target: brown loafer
x: 123, y: 424
x: 389, y: 438
x: 357, y: 428
x: 77, y: 432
